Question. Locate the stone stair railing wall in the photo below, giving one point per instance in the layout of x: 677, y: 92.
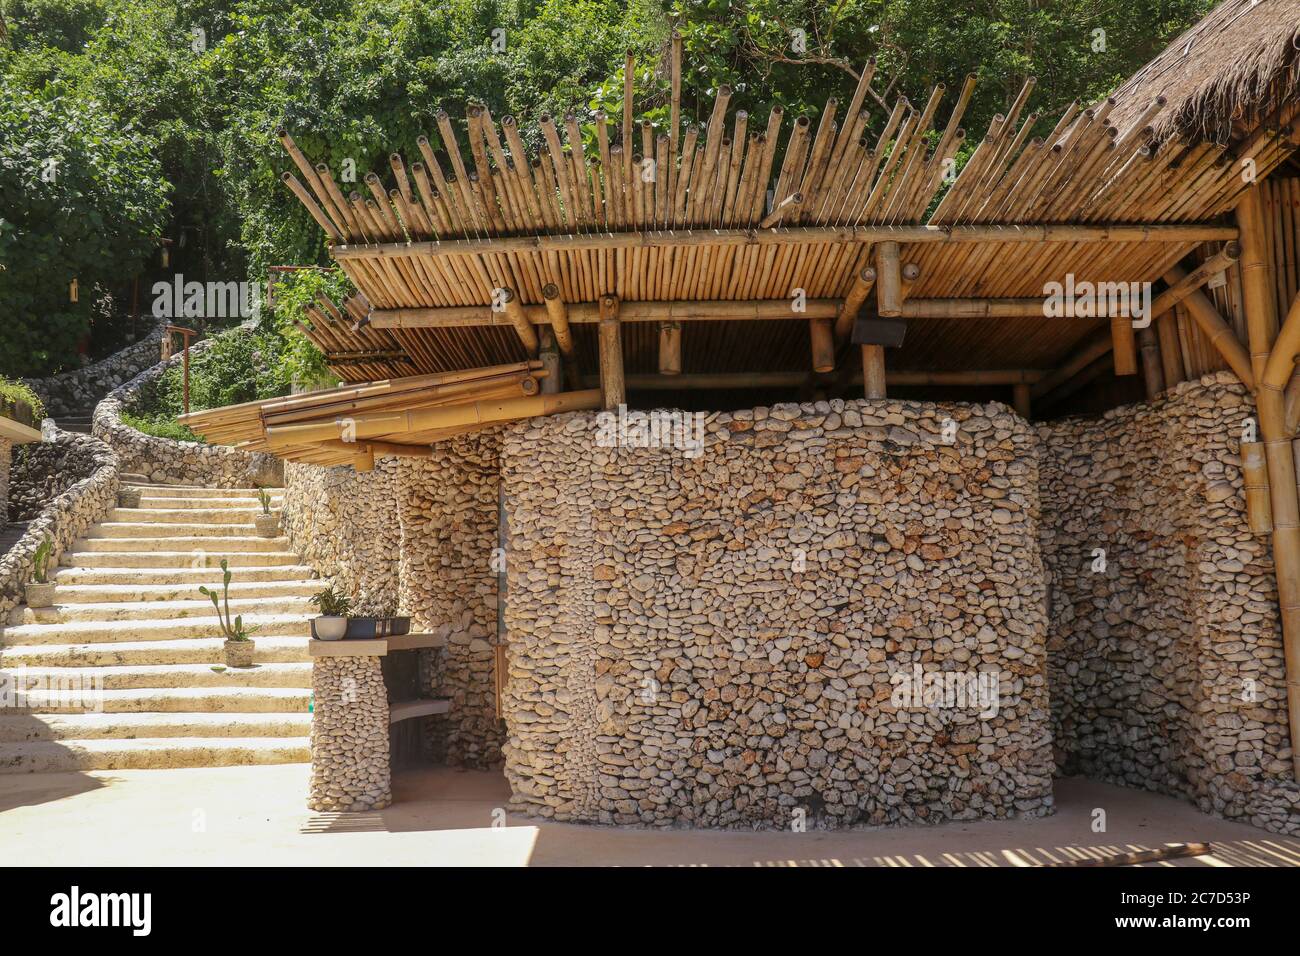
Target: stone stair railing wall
x: 41, y: 471
x: 77, y: 391
x: 1166, y: 661
x: 166, y: 460
x: 65, y: 518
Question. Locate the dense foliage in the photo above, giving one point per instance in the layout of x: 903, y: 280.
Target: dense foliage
x: 165, y: 110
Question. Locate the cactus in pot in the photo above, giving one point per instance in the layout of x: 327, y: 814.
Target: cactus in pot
x: 267, y: 524
x: 239, y: 646
x: 40, y: 590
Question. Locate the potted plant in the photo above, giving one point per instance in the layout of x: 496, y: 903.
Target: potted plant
x: 268, y: 525
x: 379, y: 620
x: 239, y: 645
x: 333, y: 621
x: 40, y: 591
x: 128, y: 497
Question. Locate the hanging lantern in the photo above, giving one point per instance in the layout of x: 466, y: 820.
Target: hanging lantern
x: 72, y: 291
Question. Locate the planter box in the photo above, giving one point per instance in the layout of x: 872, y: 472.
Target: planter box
x: 360, y: 628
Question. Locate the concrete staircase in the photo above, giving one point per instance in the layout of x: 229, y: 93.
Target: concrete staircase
x: 128, y: 617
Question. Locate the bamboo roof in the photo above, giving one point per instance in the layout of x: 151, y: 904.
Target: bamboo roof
x: 749, y: 210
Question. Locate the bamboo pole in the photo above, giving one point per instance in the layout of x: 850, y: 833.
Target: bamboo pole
x: 611, y: 354
x: 873, y: 371
x: 889, y: 281
x: 1285, y: 505
x: 1021, y: 401
x: 670, y: 348
x: 1221, y: 336
x: 558, y: 314
x: 515, y: 313
x: 822, y: 340
x: 1261, y: 320
x: 1123, y: 345
x: 1254, y: 471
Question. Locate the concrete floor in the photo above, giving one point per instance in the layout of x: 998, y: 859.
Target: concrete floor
x: 255, y: 816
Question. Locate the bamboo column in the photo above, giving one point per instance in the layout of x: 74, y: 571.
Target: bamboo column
x: 550, y: 356
x: 670, y: 348
x: 1152, y: 372
x: 1261, y: 321
x: 1123, y: 345
x: 1285, y: 505
x: 1021, y: 400
x: 889, y: 280
x: 611, y: 354
x: 821, y: 335
x: 873, y: 371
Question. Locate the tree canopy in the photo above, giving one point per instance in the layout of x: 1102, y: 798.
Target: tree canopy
x: 162, y: 112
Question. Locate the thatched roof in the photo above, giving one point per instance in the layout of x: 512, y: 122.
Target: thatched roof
x: 1226, y: 74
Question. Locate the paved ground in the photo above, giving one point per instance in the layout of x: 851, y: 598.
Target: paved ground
x: 255, y: 815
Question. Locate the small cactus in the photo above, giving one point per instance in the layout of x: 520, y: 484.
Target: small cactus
x: 41, y: 560
x: 231, y: 630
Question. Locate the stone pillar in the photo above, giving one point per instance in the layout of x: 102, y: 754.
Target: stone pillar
x: 349, y: 734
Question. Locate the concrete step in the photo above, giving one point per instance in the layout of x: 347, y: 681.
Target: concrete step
x: 151, y: 490
x: 208, y: 650
x: 69, y: 594
x: 162, y: 533
x: 183, y: 516
x: 177, y: 559
x: 166, y: 629
x: 199, y: 606
x: 32, y: 727
x: 168, y: 502
x: 224, y: 544
x: 151, y: 753
x: 136, y: 676
x: 169, y: 700
x: 181, y: 576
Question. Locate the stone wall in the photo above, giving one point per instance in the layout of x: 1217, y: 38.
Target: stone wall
x: 1166, y: 661
x: 41, y: 471
x: 349, y: 735
x: 345, y: 525
x: 6, y: 471
x: 418, y: 533
x: 181, y: 462
x: 65, y: 518
x: 721, y: 640
x: 77, y: 391
x: 448, y: 508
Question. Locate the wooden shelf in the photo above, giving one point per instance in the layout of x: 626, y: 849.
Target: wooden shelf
x: 422, y: 707
x: 373, y: 646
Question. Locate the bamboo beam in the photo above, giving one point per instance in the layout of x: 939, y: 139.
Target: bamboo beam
x: 795, y: 235
x: 473, y: 413
x: 610, y: 340
x: 1091, y: 351
x: 390, y: 448
x: 724, y: 381
x: 1220, y: 334
x: 558, y: 315
x: 1171, y: 356
x: 857, y: 294
x: 515, y: 314
x: 1196, y: 278
x: 584, y: 313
